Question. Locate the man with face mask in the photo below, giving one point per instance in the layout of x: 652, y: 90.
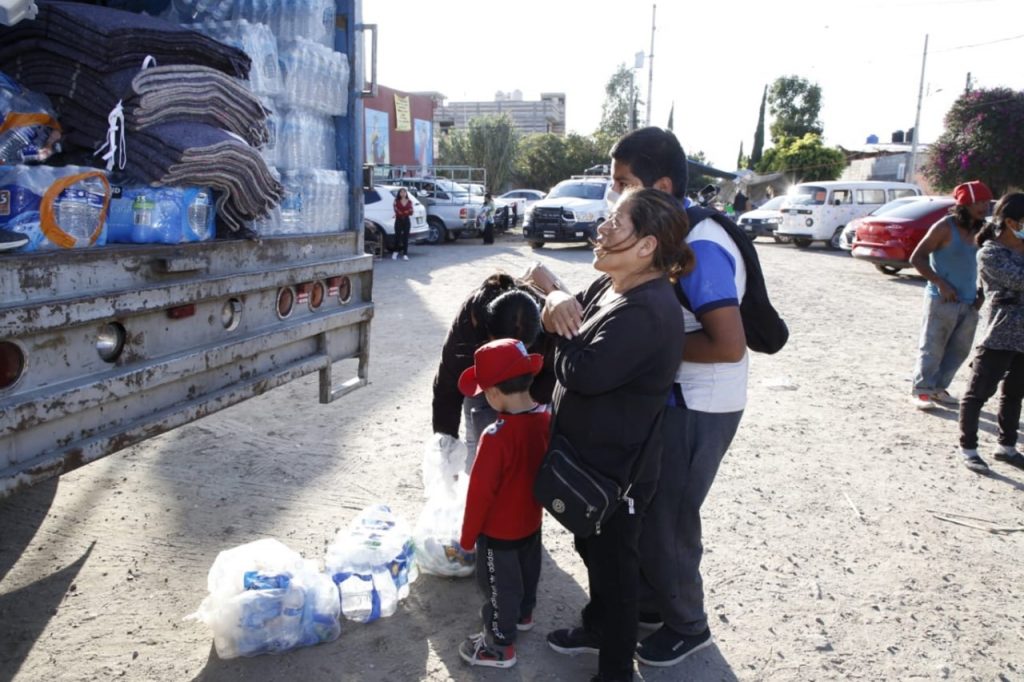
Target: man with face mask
x: 704, y: 410
x: 947, y: 258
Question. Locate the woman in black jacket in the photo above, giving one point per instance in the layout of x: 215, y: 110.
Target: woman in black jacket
x: 615, y: 374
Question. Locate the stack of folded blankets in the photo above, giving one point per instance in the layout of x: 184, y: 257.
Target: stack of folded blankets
x: 188, y: 119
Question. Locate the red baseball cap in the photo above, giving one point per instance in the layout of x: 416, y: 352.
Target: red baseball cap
x: 971, y: 193
x: 498, y: 361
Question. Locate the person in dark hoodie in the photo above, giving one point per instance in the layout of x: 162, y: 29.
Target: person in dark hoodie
x: 502, y: 307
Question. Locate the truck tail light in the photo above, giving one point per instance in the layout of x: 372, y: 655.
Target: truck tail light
x: 110, y: 341
x: 316, y: 295
x: 463, y: 213
x: 182, y: 311
x: 12, y: 364
x: 285, y: 302
x: 345, y: 290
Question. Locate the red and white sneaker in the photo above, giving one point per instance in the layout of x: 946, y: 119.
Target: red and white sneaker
x: 525, y: 623
x: 476, y: 651
x: 922, y: 401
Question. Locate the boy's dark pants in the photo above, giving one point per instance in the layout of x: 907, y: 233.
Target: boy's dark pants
x: 507, y: 572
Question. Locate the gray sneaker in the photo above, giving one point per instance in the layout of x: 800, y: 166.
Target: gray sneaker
x: 1012, y: 458
x: 976, y: 464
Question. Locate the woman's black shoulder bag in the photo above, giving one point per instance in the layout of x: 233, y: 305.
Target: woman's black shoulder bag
x: 580, y: 498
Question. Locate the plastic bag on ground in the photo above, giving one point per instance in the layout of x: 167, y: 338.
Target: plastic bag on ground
x: 444, y: 458
x: 439, y: 525
x: 265, y: 598
x: 372, y: 563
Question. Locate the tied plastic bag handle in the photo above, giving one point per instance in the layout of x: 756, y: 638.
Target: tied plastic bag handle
x: 47, y: 220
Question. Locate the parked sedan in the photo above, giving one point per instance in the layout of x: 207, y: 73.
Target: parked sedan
x: 888, y: 240
x: 524, y: 199
x: 850, y: 231
x: 379, y: 215
x: 763, y: 220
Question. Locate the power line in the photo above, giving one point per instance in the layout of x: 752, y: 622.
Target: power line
x: 990, y: 42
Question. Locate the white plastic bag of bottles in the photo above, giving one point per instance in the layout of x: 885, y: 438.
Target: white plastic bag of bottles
x: 372, y: 563
x: 30, y: 133
x: 439, y: 525
x: 56, y: 207
x: 265, y: 598
x: 160, y: 215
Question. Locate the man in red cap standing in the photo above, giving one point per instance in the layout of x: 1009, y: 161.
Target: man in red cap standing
x: 947, y: 258
x: 502, y: 518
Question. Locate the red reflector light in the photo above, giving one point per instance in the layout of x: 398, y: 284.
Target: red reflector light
x: 12, y: 364
x: 181, y: 311
x: 316, y: 295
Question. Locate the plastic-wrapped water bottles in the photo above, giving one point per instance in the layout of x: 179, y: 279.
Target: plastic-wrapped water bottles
x: 306, y: 141
x: 29, y: 141
x: 160, y: 215
x: 308, y: 19
x: 372, y: 563
x: 315, y: 201
x: 257, y: 41
x: 264, y: 598
x: 315, y: 77
x: 74, y: 218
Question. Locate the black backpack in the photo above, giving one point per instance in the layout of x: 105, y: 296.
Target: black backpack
x: 766, y: 332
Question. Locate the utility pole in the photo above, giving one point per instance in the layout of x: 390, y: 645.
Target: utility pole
x: 912, y: 165
x: 650, y: 65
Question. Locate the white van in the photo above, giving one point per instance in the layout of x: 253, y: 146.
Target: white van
x: 818, y: 211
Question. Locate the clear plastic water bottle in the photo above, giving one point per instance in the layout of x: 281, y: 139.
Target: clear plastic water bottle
x: 80, y: 209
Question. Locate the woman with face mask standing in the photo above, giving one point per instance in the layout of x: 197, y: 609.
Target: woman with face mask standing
x: 999, y: 356
x: 614, y: 376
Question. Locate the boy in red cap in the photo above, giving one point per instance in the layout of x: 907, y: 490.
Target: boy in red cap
x: 502, y: 519
x: 947, y: 258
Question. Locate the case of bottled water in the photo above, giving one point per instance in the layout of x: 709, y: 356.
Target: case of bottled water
x: 74, y: 217
x: 160, y: 215
x: 256, y: 40
x: 372, y: 562
x: 315, y: 77
x: 315, y: 202
x: 264, y: 598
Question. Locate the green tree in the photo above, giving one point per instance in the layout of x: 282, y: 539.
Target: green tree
x: 740, y: 158
x: 758, y: 150
x: 546, y: 159
x: 983, y: 140
x: 803, y: 159
x: 621, y: 103
x: 697, y: 181
x: 489, y: 142
x: 794, y: 104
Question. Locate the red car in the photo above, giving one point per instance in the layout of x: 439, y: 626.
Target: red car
x: 887, y: 240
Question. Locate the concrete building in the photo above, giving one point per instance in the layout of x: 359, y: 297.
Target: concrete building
x: 544, y: 116
x: 886, y: 161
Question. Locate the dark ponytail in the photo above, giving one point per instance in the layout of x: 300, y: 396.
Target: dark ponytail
x: 1010, y: 206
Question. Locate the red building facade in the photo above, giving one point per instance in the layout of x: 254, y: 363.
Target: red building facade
x: 399, y: 128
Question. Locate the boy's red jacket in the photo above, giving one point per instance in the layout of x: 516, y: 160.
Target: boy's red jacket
x: 500, y: 501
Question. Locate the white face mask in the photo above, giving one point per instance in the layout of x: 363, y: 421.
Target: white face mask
x: 612, y: 198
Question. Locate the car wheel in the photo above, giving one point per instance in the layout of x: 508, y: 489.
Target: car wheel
x: 780, y: 239
x: 837, y: 237
x: 887, y: 269
x: 436, y: 232
x: 535, y: 244
x: 801, y: 242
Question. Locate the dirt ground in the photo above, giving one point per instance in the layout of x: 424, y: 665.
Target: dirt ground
x: 826, y: 557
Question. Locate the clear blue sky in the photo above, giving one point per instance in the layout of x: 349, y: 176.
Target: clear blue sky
x: 712, y: 64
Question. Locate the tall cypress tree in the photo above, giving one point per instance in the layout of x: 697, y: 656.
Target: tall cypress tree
x: 739, y: 158
x: 755, y: 153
